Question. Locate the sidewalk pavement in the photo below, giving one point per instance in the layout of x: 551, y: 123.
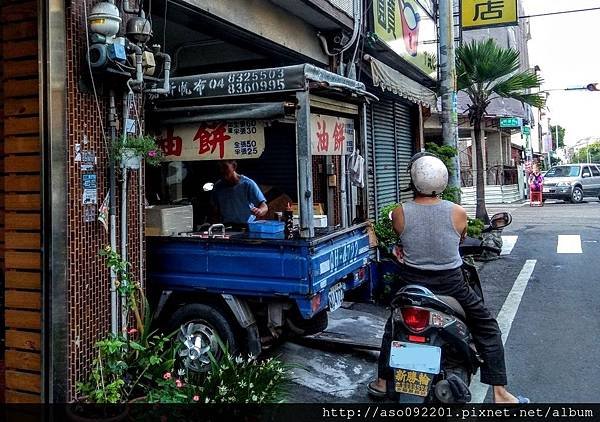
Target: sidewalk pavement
x: 495, y: 208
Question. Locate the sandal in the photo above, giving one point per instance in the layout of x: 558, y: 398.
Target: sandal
x: 523, y: 400
x: 375, y: 392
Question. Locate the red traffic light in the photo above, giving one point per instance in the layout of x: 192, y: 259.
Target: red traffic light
x: 593, y: 87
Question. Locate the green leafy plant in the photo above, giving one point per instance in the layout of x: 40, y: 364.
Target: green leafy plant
x: 475, y: 227
x: 386, y: 236
x: 446, y: 153
x: 144, y: 146
x: 130, y: 364
x: 234, y: 379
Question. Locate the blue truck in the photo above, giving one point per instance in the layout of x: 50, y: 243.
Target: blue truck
x: 250, y: 290
x: 235, y: 284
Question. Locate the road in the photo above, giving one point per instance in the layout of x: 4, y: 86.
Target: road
x: 544, y: 292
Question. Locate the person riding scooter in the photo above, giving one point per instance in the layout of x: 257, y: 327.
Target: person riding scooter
x: 430, y: 231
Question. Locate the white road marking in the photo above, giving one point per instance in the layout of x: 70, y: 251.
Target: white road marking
x: 569, y: 244
x: 505, y: 319
x: 508, y: 243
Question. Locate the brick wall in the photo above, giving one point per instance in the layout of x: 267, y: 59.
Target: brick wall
x: 89, y: 292
x: 21, y: 199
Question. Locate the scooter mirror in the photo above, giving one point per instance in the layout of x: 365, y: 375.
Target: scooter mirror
x: 208, y: 187
x: 500, y: 220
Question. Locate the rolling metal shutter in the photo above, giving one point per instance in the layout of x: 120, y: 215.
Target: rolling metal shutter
x: 404, y: 145
x: 390, y: 146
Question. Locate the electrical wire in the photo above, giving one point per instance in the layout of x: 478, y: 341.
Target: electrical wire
x: 87, y: 41
x: 564, y: 12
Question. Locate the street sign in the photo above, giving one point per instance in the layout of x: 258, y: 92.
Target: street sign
x: 511, y: 122
x: 477, y: 14
x: 526, y: 130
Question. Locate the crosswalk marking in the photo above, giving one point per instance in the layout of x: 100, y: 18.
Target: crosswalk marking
x: 569, y: 244
x: 508, y: 243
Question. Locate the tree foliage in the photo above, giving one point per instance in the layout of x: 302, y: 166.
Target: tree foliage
x: 594, y: 154
x: 560, y: 142
x: 485, y: 71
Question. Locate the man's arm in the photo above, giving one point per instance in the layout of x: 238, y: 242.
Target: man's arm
x: 398, y: 220
x: 460, y: 221
x: 257, y: 197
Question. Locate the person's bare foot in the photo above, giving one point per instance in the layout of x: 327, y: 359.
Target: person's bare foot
x: 501, y: 395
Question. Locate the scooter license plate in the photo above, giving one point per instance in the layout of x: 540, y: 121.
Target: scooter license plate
x: 414, y: 367
x: 415, y: 357
x: 412, y: 382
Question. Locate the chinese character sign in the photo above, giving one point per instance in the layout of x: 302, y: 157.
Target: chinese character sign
x: 408, y: 28
x: 476, y: 14
x: 226, y: 140
x: 331, y: 135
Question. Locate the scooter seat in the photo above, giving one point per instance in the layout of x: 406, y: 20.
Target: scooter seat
x: 453, y: 304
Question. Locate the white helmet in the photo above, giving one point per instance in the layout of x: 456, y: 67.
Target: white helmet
x: 428, y: 174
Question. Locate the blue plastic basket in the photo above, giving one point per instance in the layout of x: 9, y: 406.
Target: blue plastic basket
x: 266, y: 226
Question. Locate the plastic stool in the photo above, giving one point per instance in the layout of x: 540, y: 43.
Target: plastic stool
x: 535, y: 198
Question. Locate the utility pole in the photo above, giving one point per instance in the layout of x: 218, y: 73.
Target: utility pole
x: 448, y: 84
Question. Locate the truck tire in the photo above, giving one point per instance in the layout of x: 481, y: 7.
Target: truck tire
x: 206, y: 323
x: 306, y: 327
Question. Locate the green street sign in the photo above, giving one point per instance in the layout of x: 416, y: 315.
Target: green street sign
x: 511, y: 122
x: 526, y: 130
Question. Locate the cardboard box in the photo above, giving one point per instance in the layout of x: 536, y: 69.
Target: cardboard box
x: 317, y: 209
x: 169, y: 220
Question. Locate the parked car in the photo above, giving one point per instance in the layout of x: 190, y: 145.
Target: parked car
x: 572, y: 182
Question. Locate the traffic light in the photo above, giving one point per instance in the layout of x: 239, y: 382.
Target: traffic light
x: 593, y: 87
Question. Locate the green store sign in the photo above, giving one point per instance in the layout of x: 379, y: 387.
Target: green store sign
x: 511, y: 122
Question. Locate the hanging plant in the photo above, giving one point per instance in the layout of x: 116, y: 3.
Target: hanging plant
x: 132, y: 149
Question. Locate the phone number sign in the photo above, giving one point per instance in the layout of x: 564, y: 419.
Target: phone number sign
x: 225, y: 140
x: 331, y: 135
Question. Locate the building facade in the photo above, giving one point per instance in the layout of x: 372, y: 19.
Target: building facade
x: 58, y: 122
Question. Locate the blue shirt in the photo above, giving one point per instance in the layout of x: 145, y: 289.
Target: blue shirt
x: 235, y: 202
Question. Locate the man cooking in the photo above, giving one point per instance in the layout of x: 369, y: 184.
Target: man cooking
x: 238, y: 198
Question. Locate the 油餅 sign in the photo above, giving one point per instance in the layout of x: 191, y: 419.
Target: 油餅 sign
x: 226, y: 140
x: 331, y: 135
x: 409, y: 29
x: 476, y: 14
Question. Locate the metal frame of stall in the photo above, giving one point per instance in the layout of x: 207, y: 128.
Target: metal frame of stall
x: 181, y: 106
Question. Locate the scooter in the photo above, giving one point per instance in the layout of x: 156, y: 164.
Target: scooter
x: 432, y: 355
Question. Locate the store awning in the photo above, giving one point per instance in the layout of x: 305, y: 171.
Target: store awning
x: 389, y: 79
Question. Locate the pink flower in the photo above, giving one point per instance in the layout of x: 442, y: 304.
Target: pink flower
x: 196, y: 398
x: 178, y: 383
x: 132, y: 331
x: 167, y: 376
x: 152, y: 153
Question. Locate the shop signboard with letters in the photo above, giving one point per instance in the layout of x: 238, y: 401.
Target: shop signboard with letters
x: 477, y: 14
x: 408, y: 27
x: 224, y: 140
x: 331, y: 135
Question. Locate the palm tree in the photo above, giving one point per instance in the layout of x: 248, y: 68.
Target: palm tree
x: 486, y: 71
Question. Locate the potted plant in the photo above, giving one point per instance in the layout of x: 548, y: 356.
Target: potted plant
x: 131, y: 150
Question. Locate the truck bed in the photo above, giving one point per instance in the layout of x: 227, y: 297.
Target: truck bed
x: 249, y: 266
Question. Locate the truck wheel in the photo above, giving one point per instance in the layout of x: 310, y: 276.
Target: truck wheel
x: 199, y: 329
x: 305, y: 327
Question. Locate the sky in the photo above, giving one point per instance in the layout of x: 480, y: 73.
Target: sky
x: 567, y: 50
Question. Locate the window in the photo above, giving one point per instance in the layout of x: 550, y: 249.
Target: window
x: 595, y: 171
x: 586, y: 171
x: 563, y: 171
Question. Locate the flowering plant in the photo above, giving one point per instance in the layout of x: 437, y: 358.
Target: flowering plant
x: 144, y: 146
x: 234, y: 379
